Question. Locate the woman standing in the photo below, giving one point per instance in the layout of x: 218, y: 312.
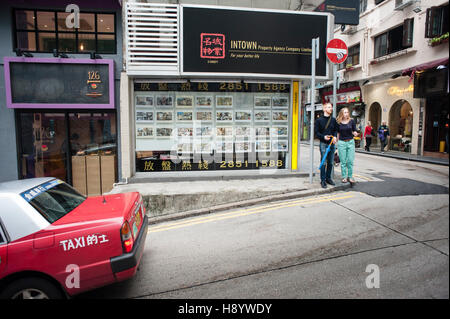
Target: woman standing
x: 346, y: 144
x: 368, y: 136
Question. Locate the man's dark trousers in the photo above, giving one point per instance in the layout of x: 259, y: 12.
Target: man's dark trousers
x: 327, y: 167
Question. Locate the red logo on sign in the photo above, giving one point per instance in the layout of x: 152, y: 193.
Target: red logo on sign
x: 212, y: 46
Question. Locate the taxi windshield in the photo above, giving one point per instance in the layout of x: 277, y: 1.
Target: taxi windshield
x: 56, y: 202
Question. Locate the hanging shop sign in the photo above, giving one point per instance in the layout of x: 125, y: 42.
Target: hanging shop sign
x: 344, y: 11
x: 249, y: 42
x: 344, y: 96
x: 59, y: 83
x: 431, y: 83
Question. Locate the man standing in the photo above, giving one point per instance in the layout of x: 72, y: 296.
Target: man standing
x: 383, y: 135
x: 326, y: 129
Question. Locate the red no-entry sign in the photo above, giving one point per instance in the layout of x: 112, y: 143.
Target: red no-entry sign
x: 337, y: 51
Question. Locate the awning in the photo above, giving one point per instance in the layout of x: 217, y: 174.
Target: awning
x: 425, y: 66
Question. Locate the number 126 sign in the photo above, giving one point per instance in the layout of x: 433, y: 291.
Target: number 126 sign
x: 337, y: 51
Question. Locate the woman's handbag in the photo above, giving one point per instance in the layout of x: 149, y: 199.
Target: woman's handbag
x: 337, y: 160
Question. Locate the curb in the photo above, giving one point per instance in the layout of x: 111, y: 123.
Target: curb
x: 406, y: 158
x: 245, y: 203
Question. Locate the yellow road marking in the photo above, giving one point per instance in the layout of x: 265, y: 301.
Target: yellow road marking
x: 357, y: 175
x: 276, y: 205
x: 363, y: 177
x: 245, y: 212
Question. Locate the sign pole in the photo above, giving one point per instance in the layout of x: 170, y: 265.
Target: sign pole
x: 314, y: 56
x: 337, y: 52
x: 334, y: 89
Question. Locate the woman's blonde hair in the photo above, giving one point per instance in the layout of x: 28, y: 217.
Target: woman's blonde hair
x: 340, y: 116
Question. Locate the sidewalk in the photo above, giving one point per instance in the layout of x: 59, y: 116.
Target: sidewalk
x: 170, y: 196
x: 406, y: 156
x: 173, y: 200
x: 375, y: 150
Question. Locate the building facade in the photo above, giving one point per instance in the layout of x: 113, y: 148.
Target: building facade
x: 215, y: 88
x: 395, y: 44
x: 59, y: 99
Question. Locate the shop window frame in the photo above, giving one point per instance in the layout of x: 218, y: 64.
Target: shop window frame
x: 56, y: 31
x: 66, y: 112
x: 223, y: 89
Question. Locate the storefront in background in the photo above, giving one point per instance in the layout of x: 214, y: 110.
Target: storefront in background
x: 232, y: 101
x: 349, y: 96
x: 65, y: 120
x: 432, y: 85
x: 392, y: 101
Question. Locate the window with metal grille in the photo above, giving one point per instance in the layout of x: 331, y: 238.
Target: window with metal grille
x: 44, y: 31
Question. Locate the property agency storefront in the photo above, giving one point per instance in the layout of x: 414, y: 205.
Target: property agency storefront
x: 392, y: 101
x: 65, y: 120
x: 234, y: 104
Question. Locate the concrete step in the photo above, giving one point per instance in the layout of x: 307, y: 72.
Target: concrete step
x: 169, y: 200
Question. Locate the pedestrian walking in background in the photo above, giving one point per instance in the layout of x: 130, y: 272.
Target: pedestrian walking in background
x: 346, y: 144
x: 383, y: 135
x: 368, y: 133
x: 325, y: 130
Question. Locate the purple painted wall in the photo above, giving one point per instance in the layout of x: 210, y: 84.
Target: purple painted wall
x: 55, y: 4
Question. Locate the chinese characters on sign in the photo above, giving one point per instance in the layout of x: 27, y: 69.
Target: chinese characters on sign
x: 212, y: 46
x: 219, y: 164
x: 83, y: 241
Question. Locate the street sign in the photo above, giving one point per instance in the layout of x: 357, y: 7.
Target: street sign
x: 344, y: 11
x: 337, y: 51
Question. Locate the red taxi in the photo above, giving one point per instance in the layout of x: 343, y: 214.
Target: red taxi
x: 55, y: 242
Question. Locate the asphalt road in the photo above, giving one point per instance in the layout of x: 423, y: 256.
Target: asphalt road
x: 385, y: 238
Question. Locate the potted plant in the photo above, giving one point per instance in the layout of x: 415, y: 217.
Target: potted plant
x: 439, y: 40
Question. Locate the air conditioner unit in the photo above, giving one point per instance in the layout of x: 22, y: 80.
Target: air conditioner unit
x: 401, y: 4
x: 350, y: 29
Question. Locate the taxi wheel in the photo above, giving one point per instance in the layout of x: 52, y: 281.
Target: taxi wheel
x: 31, y: 288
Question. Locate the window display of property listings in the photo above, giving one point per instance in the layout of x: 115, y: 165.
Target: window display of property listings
x: 195, y: 126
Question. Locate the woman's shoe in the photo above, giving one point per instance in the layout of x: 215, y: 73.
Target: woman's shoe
x: 344, y: 180
x: 351, y: 180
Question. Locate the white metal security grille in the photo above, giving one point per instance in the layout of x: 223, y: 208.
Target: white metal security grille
x: 151, y: 38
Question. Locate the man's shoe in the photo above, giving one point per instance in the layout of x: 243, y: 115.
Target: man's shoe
x: 330, y: 181
x: 324, y: 184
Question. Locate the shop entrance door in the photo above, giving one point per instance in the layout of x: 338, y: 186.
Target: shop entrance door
x: 436, y: 125
x: 43, y: 145
x: 93, y: 152
x: 400, y: 126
